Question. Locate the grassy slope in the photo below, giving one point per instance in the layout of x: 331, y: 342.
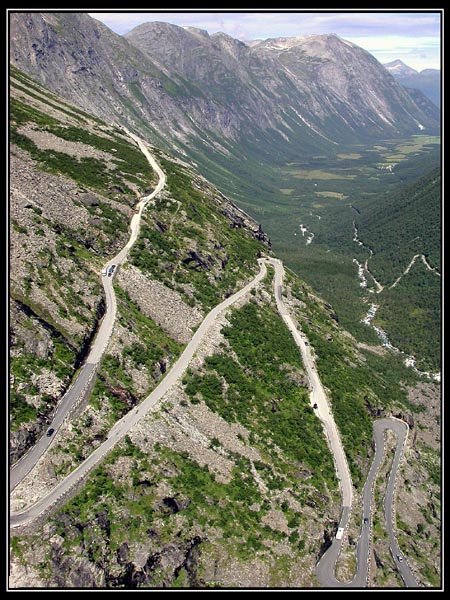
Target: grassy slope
x: 257, y: 383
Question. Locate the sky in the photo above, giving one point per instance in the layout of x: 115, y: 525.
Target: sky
x: 413, y: 37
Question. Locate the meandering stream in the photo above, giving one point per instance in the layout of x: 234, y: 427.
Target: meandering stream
x: 409, y: 361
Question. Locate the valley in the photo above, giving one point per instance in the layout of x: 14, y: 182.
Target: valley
x: 225, y: 313
x: 324, y: 204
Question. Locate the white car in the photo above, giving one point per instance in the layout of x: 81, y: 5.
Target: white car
x: 104, y: 271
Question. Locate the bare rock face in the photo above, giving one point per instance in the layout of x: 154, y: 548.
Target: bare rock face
x: 173, y: 505
x: 70, y: 572
x: 23, y: 439
x: 172, y: 557
x: 160, y: 303
x: 317, y: 87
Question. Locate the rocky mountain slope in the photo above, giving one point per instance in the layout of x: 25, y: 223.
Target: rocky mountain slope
x: 214, y: 91
x: 229, y: 482
x: 74, y: 182
x: 428, y: 81
x: 345, y: 85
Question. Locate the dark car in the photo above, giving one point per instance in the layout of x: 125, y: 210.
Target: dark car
x: 366, y: 520
x: 315, y: 405
x: 50, y: 432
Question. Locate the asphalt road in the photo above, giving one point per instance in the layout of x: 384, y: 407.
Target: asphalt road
x: 27, y: 462
x: 401, y: 430
x: 326, y: 567
x: 317, y: 395
x: 122, y: 427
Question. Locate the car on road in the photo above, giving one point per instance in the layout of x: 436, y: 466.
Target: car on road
x: 315, y: 405
x: 50, y: 432
x: 111, y: 270
x: 104, y: 271
x: 366, y: 520
x: 399, y: 558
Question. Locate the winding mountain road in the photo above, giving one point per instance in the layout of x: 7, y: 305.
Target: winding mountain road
x: 326, y: 566
x: 318, y: 395
x: 27, y: 462
x: 121, y: 428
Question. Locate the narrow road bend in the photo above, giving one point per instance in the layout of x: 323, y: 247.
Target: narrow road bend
x: 78, y: 387
x: 325, y: 568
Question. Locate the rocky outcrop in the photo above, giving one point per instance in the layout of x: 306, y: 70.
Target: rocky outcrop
x: 407, y: 417
x: 171, y: 558
x: 239, y: 218
x: 162, y: 304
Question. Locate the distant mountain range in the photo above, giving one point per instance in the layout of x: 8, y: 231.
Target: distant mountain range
x: 428, y: 81
x: 215, y: 94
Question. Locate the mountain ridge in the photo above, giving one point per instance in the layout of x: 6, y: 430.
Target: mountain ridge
x: 427, y: 81
x: 230, y: 481
x: 85, y: 61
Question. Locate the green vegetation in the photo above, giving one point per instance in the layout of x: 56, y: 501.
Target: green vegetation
x: 20, y: 411
x: 223, y: 255
x: 394, y: 219
x: 128, y: 158
x: 411, y: 312
x: 26, y: 365
x: 153, y: 343
x: 398, y: 228
x: 401, y: 225
x: 431, y: 460
x: 356, y: 380
x: 262, y: 391
x: 19, y: 76
x: 130, y: 163
x: 130, y: 505
x: 335, y: 190
x: 90, y: 172
x: 115, y: 384
x: 128, y: 512
x: 44, y: 99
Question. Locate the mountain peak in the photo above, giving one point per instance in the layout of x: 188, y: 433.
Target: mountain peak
x: 196, y: 31
x: 320, y: 45
x: 399, y: 68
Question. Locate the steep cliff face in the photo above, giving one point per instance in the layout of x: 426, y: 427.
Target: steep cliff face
x: 347, y: 87
x: 81, y: 59
x: 74, y: 181
x: 328, y: 84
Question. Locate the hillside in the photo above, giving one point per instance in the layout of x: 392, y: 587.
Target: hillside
x: 400, y: 225
x: 286, y: 128
x: 74, y: 182
x: 403, y: 231
x: 229, y: 481
x: 226, y: 105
